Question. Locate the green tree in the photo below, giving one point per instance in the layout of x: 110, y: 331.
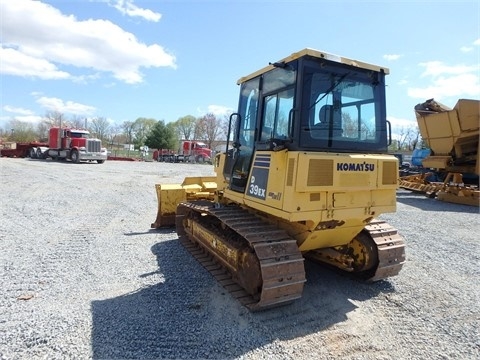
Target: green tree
x: 185, y: 127
x: 141, y: 128
x: 161, y: 136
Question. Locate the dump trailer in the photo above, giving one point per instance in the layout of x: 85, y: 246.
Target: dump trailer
x: 306, y: 176
x: 452, y: 136
x: 21, y: 149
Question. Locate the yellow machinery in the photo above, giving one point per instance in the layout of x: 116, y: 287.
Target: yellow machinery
x: 453, y: 137
x: 305, y: 175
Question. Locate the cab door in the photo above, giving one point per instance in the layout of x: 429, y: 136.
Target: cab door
x: 264, y: 113
x: 243, y: 129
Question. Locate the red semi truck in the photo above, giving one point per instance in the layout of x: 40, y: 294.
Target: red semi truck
x: 72, y: 144
x: 190, y: 151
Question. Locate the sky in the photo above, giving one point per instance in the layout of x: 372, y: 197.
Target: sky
x: 166, y: 59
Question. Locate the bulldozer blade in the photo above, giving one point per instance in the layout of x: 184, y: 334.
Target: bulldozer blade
x: 466, y: 197
x: 170, y: 195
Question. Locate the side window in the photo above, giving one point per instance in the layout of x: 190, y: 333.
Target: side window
x: 246, y: 135
x: 284, y: 107
x: 276, y: 112
x: 269, y: 110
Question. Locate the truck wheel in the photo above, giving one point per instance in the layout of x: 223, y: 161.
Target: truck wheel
x: 39, y: 154
x: 33, y: 153
x: 100, y: 161
x: 75, y: 157
x: 200, y: 159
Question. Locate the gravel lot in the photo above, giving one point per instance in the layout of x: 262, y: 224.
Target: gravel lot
x: 83, y: 276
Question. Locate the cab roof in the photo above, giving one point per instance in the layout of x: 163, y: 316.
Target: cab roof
x: 320, y: 55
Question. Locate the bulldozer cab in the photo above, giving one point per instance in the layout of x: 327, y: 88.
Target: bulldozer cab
x: 310, y: 101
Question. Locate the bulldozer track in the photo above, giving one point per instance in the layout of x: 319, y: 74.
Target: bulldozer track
x: 281, y: 263
x: 391, y: 249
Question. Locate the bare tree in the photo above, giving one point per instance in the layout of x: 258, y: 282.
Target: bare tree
x: 55, y: 118
x: 199, y: 131
x: 42, y: 130
x: 414, y: 138
x: 223, y: 127
x: 403, y: 137
x: 78, y: 122
x: 21, y: 131
x: 350, y: 126
x: 128, y: 131
x: 114, y: 133
x: 408, y: 139
x: 210, y: 128
x: 100, y: 127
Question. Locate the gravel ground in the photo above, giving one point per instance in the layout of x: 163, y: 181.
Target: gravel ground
x: 83, y: 276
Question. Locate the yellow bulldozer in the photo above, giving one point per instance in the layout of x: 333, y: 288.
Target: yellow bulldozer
x: 305, y: 174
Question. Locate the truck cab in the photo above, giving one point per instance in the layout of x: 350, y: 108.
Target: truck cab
x: 74, y: 144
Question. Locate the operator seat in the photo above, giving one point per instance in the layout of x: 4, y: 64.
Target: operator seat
x: 325, y: 116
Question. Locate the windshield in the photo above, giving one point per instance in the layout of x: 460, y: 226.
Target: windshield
x: 79, y: 135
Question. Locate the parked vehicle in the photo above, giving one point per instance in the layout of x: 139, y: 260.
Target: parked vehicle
x: 190, y: 151
x: 451, y: 163
x: 70, y: 144
x: 307, y: 176
x: 20, y: 149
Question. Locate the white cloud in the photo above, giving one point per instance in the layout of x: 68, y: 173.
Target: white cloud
x: 20, y: 114
x: 38, y: 40
x: 17, y: 63
x: 31, y: 119
x: 448, y: 81
x: 398, y: 123
x: 466, y: 49
x: 392, y: 57
x: 16, y: 110
x: 219, y: 110
x: 127, y: 7
x: 66, y: 107
x: 436, y: 68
